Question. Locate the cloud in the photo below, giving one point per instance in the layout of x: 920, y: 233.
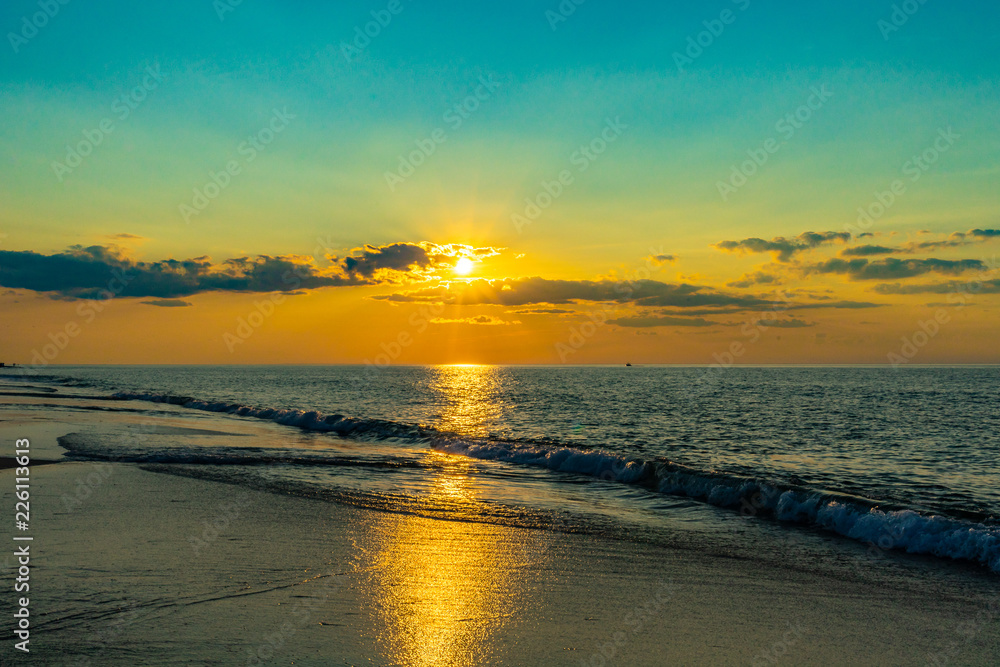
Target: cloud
x: 542, y: 311
x: 101, y: 271
x: 842, y: 305
x: 892, y: 268
x: 649, y: 321
x: 788, y: 323
x: 867, y: 250
x: 126, y: 237
x: 168, y: 303
x: 662, y: 321
x: 394, y: 257
x: 782, y: 247
x: 755, y: 278
x: 408, y: 258
x: 954, y: 286
x: 660, y: 260
x: 698, y: 312
x: 97, y: 272
x: 535, y: 291
x: 483, y: 320
x: 676, y: 300
x: 954, y: 240
x: 776, y: 306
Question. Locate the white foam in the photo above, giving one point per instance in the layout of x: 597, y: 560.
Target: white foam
x: 855, y: 518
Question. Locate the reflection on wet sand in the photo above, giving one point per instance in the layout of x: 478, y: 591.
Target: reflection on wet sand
x: 442, y: 590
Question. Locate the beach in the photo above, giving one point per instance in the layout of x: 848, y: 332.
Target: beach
x: 132, y: 566
x: 419, y: 334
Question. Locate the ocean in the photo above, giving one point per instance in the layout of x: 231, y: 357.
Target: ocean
x: 795, y: 463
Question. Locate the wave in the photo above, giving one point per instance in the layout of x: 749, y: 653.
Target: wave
x: 885, y: 526
x: 850, y: 516
x: 308, y: 420
x: 28, y: 375
x: 83, y: 448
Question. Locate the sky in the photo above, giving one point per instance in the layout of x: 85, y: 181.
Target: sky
x: 409, y: 181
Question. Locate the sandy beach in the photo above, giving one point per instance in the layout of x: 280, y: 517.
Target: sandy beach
x: 565, y: 333
x: 131, y: 566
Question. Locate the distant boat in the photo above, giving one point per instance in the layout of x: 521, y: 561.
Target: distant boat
x: 628, y: 364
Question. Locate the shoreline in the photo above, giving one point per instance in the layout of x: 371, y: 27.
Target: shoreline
x: 191, y: 570
x: 134, y: 566
x: 8, y: 462
x: 174, y: 570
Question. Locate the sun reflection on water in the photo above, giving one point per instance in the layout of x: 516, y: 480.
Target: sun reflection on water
x: 473, y: 396
x: 440, y: 590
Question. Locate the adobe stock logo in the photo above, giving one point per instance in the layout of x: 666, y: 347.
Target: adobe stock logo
x: 914, y: 169
x: 898, y: 18
x: 122, y: 107
x: 786, y: 126
x: 254, y: 145
x: 455, y: 117
x: 565, y: 9
x: 699, y: 43
x: 363, y: 36
x: 582, y: 158
x: 31, y: 25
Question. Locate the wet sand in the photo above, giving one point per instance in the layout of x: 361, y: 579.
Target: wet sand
x: 137, y: 567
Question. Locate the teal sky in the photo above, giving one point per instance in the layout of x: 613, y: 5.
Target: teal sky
x: 323, y: 177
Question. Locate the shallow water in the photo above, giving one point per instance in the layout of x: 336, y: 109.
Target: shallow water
x: 905, y: 458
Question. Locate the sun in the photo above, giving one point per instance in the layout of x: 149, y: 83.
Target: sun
x: 464, y: 266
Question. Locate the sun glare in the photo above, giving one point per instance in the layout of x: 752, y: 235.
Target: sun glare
x: 463, y: 266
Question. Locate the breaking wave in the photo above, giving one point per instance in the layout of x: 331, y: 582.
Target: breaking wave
x: 887, y: 527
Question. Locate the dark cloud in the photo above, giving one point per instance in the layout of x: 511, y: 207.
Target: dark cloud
x: 168, y: 303
x: 892, y: 268
x: 649, y: 321
x: 480, y: 320
x: 659, y: 260
x: 782, y: 247
x: 954, y: 286
x: 698, y: 312
x: 767, y: 310
x: 411, y: 259
x: 542, y: 311
x: 662, y: 321
x: 99, y: 271
x: 535, y: 291
x: 755, y: 278
x: 848, y: 305
x: 867, y: 250
x: 96, y: 272
x: 693, y: 296
x: 677, y: 300
x: 954, y: 240
x: 789, y: 323
x: 395, y: 257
